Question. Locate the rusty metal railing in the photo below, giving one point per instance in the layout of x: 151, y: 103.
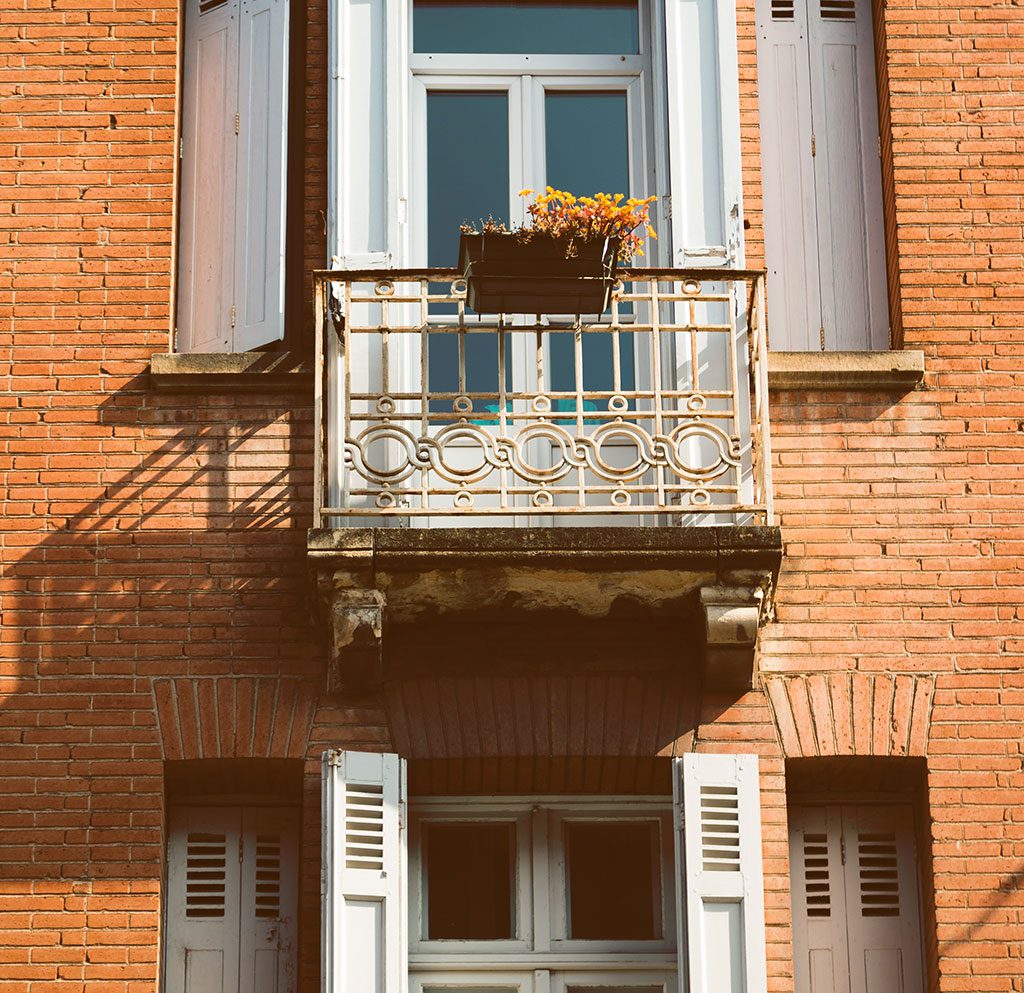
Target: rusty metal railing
x: 656, y: 412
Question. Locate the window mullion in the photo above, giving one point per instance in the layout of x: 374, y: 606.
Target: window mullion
x: 541, y: 827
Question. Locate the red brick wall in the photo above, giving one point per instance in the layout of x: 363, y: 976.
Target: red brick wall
x: 151, y: 537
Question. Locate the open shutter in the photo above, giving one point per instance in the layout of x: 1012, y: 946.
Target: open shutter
x: 269, y: 900
x: 720, y: 881
x: 207, y: 202
x: 365, y: 948
x: 790, y: 221
x: 262, y: 154
x: 203, y: 887
x: 847, y: 175
x: 705, y: 211
x: 367, y: 134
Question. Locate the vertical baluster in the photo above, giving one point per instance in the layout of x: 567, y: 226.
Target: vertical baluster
x: 424, y: 291
x: 319, y: 444
x: 656, y: 384
x: 577, y: 361
x: 502, y: 413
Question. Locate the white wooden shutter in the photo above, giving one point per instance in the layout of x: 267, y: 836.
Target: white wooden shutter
x: 821, y: 170
x: 262, y: 157
x: 790, y: 220
x: 720, y: 880
x: 856, y: 913
x: 203, y: 892
x: 820, y: 956
x: 365, y: 948
x: 207, y: 200
x: 847, y: 175
x: 233, y: 172
x: 705, y: 166
x: 367, y: 133
x: 268, y: 908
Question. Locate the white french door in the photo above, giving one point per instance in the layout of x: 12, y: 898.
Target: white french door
x: 480, y: 137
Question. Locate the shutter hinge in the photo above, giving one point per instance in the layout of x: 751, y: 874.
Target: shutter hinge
x: 813, y: 146
x: 241, y: 842
x: 667, y: 200
x: 181, y: 146
x: 842, y: 849
x: 879, y: 146
x: 233, y: 320
x: 237, y: 121
x: 821, y: 331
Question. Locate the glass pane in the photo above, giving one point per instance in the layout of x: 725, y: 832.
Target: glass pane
x: 587, y: 149
x: 527, y: 27
x: 468, y: 880
x: 455, y: 194
x: 614, y: 880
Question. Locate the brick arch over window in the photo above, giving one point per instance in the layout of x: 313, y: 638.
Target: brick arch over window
x: 221, y: 717
x: 852, y: 713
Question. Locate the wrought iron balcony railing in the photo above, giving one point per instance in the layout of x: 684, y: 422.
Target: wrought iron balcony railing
x: 655, y: 413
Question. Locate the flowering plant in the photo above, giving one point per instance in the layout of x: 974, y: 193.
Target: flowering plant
x: 579, y: 220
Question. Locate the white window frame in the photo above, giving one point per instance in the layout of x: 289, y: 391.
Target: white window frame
x: 541, y: 894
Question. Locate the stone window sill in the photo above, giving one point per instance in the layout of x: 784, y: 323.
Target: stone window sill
x: 844, y: 371
x: 241, y: 372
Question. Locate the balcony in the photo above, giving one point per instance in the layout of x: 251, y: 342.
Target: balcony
x: 466, y: 464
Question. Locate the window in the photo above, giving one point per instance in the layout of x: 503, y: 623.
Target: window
x: 231, y: 223
x: 542, y: 894
x: 564, y: 890
x: 820, y: 153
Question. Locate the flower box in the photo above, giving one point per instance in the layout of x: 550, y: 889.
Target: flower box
x: 506, y: 274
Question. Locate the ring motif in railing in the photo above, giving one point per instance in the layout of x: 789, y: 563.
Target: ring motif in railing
x: 563, y: 262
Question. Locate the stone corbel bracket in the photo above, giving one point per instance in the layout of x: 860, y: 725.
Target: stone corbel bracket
x: 356, y: 661
x: 732, y: 616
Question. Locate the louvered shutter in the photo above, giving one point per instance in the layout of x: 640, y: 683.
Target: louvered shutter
x: 268, y: 906
x: 720, y: 880
x: 203, y: 892
x: 847, y: 175
x: 207, y: 200
x: 883, y: 912
x: 262, y: 155
x: 365, y: 948
x: 820, y: 958
x: 790, y: 220
x: 856, y: 914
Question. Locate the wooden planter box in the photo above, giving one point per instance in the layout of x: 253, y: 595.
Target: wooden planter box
x: 507, y: 276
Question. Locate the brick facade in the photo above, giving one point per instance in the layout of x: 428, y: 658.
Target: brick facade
x: 155, y: 593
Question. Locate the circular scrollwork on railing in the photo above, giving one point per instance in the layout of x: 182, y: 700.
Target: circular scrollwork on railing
x: 618, y: 403
x: 384, y: 288
x: 385, y: 405
x: 697, y: 402
x: 463, y: 500
x: 462, y: 404
x: 541, y: 404
x: 385, y: 500
x: 459, y: 288
x: 700, y: 450
x: 621, y: 498
x: 691, y: 287
x: 542, y: 498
